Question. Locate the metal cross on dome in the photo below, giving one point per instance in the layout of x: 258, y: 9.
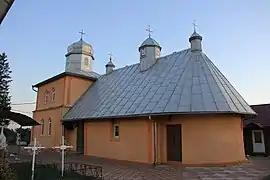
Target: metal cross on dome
x: 82, y: 34
x: 194, y: 25
x: 149, y: 31
x: 110, y: 55
x: 34, y: 149
x: 62, y: 148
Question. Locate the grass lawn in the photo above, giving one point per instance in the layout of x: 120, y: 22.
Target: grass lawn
x: 44, y: 172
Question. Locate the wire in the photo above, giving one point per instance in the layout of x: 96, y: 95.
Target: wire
x: 24, y: 103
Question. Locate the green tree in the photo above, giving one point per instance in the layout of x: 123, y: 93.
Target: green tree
x: 6, y: 173
x: 5, y: 80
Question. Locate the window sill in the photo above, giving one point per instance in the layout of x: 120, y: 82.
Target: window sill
x: 115, y: 139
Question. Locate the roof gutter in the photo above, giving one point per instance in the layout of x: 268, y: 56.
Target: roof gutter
x: 156, y: 114
x: 33, y: 88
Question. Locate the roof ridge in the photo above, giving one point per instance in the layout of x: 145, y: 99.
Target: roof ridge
x: 160, y: 58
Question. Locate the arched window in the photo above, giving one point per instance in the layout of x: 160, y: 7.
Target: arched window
x: 42, y: 127
x: 46, y: 96
x: 143, y: 51
x: 49, y: 127
x: 86, y: 61
x: 53, y: 94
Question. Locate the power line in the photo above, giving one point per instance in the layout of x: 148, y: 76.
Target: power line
x: 24, y: 103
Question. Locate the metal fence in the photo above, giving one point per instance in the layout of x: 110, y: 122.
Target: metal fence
x: 84, y: 169
x: 53, y: 171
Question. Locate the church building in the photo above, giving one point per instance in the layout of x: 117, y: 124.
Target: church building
x: 176, y: 108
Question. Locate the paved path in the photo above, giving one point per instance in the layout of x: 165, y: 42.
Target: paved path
x: 118, y: 170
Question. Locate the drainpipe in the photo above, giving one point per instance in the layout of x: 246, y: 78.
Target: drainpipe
x: 32, y: 130
x: 155, y: 140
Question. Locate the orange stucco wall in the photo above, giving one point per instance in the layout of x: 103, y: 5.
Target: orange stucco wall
x: 132, y: 144
x: 206, y: 139
x: 71, y: 138
x: 68, y: 89
x: 45, y: 139
x: 74, y: 88
x: 59, y: 86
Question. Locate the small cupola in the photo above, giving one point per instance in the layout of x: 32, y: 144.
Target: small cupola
x: 195, y: 41
x: 149, y: 52
x: 79, y: 56
x: 109, y: 66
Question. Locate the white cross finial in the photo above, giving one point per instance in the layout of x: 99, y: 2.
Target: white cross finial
x: 62, y: 148
x: 194, y: 25
x: 35, y: 149
x: 149, y: 31
x: 82, y: 34
x: 110, y: 54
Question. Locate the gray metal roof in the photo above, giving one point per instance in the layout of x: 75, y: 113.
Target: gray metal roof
x: 183, y: 82
x: 195, y: 35
x: 81, y: 42
x: 150, y: 42
x: 110, y: 64
x: 84, y: 73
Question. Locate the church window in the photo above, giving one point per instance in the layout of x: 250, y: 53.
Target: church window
x: 50, y: 126
x: 46, y: 96
x: 116, y: 130
x: 143, y: 51
x: 53, y: 94
x: 157, y: 52
x: 86, y: 61
x: 42, y: 127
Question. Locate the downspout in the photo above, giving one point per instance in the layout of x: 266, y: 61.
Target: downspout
x: 32, y: 130
x: 155, y: 140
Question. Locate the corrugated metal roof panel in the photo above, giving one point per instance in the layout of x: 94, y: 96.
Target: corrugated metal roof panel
x: 180, y: 83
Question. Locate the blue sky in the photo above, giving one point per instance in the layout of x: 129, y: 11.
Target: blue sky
x: 35, y: 35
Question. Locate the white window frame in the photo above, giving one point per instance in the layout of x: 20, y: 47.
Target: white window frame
x: 53, y: 94
x: 46, y: 97
x: 143, y: 51
x: 49, y: 127
x: 86, y: 64
x: 114, y: 130
x: 157, y: 52
x: 42, y: 127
